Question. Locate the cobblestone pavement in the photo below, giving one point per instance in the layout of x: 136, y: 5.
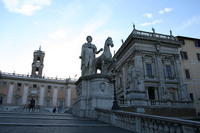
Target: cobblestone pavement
x: 52, y: 123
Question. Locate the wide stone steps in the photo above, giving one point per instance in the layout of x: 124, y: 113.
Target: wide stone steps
x: 25, y: 122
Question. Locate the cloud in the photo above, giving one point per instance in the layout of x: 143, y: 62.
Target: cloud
x: 148, y: 15
x: 165, y: 10
x: 25, y: 7
x: 191, y: 21
x: 151, y: 23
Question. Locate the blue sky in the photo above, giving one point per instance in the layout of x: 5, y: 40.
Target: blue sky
x: 61, y: 26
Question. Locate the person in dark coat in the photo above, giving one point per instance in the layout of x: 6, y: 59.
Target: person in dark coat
x: 32, y: 104
x: 54, y: 109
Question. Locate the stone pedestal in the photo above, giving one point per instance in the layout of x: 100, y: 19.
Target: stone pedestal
x: 94, y: 91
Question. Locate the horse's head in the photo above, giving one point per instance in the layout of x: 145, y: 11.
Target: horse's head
x: 109, y: 42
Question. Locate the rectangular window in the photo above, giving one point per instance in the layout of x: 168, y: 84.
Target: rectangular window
x: 182, y: 41
x: 19, y: 84
x: 197, y: 43
x: 184, y: 55
x: 198, y: 56
x: 1, y: 100
x: 149, y: 70
x: 191, y: 96
x: 169, y: 72
x: 187, y: 73
x: 34, y: 86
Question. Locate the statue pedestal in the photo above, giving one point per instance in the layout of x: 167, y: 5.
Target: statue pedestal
x: 137, y: 97
x: 94, y: 91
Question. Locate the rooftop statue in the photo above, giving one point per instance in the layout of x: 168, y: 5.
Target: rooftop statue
x: 88, y: 53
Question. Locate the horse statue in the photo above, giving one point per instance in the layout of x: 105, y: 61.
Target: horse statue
x: 103, y: 61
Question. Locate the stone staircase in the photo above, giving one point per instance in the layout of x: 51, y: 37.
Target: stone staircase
x: 38, y: 122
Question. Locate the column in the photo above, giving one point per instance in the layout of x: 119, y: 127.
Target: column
x: 161, y: 77
x: 182, y: 90
x: 139, y: 71
x: 25, y: 94
x: 55, y: 96
x: 10, y: 93
x: 69, y: 90
x: 42, y: 92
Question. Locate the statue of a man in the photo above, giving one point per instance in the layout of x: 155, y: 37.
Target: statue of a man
x: 88, y: 52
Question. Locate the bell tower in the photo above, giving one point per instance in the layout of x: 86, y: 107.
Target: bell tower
x: 37, y: 65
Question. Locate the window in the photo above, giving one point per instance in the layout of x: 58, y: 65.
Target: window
x: 198, y: 56
x: 191, y: 96
x: 182, y: 41
x: 197, y: 43
x: 168, y: 72
x: 149, y: 70
x: 49, y: 88
x: 151, y: 93
x: 34, y: 86
x: 184, y: 55
x: 19, y: 84
x: 187, y: 74
x: 1, y: 100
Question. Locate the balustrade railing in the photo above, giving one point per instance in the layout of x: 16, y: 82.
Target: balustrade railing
x: 154, y: 35
x: 30, y: 77
x: 144, y: 123
x: 160, y: 103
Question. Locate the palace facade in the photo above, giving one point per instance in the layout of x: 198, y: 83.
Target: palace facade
x: 17, y: 90
x: 148, y: 74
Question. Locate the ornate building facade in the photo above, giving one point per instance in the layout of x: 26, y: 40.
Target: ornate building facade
x: 17, y: 90
x: 148, y: 72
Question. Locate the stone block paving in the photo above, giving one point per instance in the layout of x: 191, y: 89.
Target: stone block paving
x: 52, y: 123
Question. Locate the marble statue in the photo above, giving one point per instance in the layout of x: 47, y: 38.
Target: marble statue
x: 105, y: 59
x: 87, y: 57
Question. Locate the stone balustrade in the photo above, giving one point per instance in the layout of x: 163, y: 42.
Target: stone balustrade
x: 160, y: 103
x: 14, y: 75
x: 154, y: 35
x: 144, y: 123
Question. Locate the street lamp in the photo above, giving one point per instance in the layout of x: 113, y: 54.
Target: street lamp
x: 115, y: 105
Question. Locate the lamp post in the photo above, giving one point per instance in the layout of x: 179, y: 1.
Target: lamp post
x: 115, y: 105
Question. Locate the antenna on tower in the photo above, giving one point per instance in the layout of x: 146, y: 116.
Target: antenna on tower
x: 40, y: 48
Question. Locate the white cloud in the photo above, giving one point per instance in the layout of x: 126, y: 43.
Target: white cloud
x: 148, y: 15
x: 191, y: 21
x: 151, y: 23
x: 25, y: 7
x: 165, y: 10
x: 62, y: 46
